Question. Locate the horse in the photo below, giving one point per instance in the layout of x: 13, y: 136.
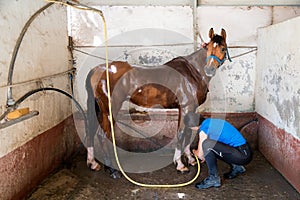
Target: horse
x: 181, y: 83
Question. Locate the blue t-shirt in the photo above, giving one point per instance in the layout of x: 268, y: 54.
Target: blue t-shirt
x: 222, y: 131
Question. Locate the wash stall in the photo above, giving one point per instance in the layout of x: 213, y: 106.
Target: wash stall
x: 48, y: 48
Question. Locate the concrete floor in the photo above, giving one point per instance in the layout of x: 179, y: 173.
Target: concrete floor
x: 261, y: 181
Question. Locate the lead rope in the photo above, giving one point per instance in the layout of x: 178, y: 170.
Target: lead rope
x: 87, y: 8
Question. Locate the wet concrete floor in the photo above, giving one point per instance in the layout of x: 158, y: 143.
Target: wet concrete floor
x: 261, y: 181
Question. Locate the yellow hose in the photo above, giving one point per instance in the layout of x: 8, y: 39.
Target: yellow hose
x: 87, y: 8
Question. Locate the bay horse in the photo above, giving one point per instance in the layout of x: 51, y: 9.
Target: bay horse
x: 181, y: 83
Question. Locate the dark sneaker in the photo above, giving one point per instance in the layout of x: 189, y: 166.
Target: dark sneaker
x: 235, y: 171
x: 211, y: 181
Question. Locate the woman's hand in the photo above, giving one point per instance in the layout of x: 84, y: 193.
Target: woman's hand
x: 199, y: 154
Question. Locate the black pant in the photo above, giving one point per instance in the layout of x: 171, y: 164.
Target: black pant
x: 212, y: 149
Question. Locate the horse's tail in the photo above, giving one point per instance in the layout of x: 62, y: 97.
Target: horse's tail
x: 91, y: 110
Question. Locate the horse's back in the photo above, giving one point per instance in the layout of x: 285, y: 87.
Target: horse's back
x: 116, y: 70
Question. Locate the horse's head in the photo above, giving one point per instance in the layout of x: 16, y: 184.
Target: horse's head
x: 216, y: 52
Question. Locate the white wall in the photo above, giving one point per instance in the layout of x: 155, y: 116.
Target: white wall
x: 167, y: 31
x: 278, y: 70
x: 200, y: 2
x: 43, y: 52
x: 282, y: 13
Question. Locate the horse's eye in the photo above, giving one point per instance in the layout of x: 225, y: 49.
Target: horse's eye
x: 223, y: 49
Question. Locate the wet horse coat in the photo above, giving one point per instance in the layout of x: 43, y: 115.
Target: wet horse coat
x: 180, y: 83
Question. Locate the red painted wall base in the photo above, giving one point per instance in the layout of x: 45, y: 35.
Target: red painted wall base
x: 22, y: 169
x: 281, y: 149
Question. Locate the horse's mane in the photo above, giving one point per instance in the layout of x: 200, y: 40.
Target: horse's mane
x: 184, y: 67
x: 218, y: 39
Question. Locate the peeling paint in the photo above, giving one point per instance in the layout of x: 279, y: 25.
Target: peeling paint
x: 148, y: 60
x: 148, y: 56
x: 289, y: 112
x: 43, y: 52
x: 278, y: 83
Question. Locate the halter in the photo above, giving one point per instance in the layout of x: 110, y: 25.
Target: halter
x: 215, y: 57
x: 218, y: 59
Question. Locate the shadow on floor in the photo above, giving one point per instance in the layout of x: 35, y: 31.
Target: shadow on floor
x: 261, y: 181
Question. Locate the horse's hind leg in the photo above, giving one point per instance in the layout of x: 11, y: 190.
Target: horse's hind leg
x: 107, y: 150
x: 92, y: 125
x: 91, y: 162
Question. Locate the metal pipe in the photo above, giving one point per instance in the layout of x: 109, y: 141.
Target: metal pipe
x: 154, y: 45
x: 70, y: 71
x: 134, y: 45
x: 10, y: 100
x: 8, y: 110
x: 195, y: 24
x: 22, y: 118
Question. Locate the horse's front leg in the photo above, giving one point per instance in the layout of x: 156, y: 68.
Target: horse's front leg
x: 191, y: 160
x: 178, y: 153
x: 177, y: 158
x: 188, y: 138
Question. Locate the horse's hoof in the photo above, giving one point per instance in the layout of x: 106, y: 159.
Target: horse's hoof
x: 193, y: 163
x: 183, y: 170
x: 94, y: 166
x: 115, y: 175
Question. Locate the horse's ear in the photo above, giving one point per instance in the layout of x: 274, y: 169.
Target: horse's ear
x: 223, y: 34
x: 211, y: 33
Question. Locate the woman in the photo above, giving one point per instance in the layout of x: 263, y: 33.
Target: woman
x: 218, y: 139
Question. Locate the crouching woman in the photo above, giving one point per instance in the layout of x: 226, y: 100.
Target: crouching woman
x: 218, y: 139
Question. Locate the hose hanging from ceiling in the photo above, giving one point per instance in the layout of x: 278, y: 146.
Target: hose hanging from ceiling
x: 10, y: 100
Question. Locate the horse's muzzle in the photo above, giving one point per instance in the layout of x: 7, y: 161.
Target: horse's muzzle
x: 210, y: 70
